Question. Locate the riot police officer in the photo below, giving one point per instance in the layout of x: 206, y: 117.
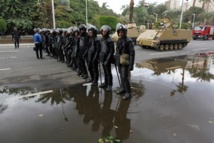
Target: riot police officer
x: 93, y: 54
x: 61, y: 46
x: 54, y: 38
x: 125, y: 56
x: 16, y: 37
x: 75, y: 38
x: 106, y: 56
x: 82, y: 48
x: 68, y: 46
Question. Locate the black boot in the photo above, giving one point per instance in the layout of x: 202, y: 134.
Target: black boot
x: 127, y: 96
x: 120, y: 91
x: 109, y: 88
x: 85, y: 76
x: 79, y: 73
x: 103, y: 85
x: 88, y: 80
x: 94, y: 84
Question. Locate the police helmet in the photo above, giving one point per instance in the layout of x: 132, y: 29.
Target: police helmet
x: 121, y: 27
x: 106, y: 28
x: 93, y: 29
x: 75, y: 29
x: 82, y: 27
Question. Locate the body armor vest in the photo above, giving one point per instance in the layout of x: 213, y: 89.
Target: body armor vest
x: 91, y: 49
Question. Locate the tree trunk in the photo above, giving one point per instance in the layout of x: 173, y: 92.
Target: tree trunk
x: 131, y: 9
x: 203, y: 5
x: 194, y: 1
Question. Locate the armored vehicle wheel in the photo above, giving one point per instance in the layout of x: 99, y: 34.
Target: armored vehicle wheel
x: 161, y: 48
x: 184, y: 45
x: 180, y: 46
x: 166, y: 47
x: 171, y: 46
x: 175, y: 46
x: 146, y: 47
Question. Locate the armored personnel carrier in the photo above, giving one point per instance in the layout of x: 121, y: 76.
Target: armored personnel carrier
x: 164, y: 39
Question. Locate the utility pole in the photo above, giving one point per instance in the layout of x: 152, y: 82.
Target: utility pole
x: 193, y: 20
x: 86, y: 12
x: 53, y: 15
x: 181, y: 18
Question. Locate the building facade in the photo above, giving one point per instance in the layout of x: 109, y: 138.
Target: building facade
x: 173, y: 4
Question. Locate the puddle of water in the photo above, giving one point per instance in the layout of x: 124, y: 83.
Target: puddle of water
x: 173, y: 102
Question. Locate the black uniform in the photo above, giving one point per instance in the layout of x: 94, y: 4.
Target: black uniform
x: 82, y: 48
x: 54, y: 44
x: 16, y: 38
x: 106, y: 57
x: 92, y: 58
x: 75, y: 48
x: 125, y: 46
x: 68, y: 48
x: 47, y: 42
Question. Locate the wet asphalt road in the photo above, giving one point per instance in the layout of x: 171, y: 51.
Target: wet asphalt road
x: 43, y: 101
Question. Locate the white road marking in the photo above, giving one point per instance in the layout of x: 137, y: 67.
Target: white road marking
x: 12, y: 45
x: 36, y: 94
x: 5, y: 69
x: 13, y: 51
x: 12, y: 57
x: 161, y: 53
x: 201, y: 49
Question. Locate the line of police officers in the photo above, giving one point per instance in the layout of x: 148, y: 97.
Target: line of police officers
x: 84, y: 52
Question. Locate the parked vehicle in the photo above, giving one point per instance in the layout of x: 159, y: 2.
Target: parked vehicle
x: 203, y: 32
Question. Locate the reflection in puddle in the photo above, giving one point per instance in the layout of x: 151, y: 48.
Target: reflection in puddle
x: 183, y: 68
x: 173, y: 102
x: 101, y: 110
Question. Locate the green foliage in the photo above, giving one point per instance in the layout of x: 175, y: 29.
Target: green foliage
x: 143, y: 14
x: 172, y: 14
x: 17, y: 12
x: 159, y: 9
x: 111, y: 21
x: 3, y: 25
x: 189, y: 13
x: 183, y: 25
x: 28, y: 14
x: 20, y: 23
x: 64, y: 18
x: 109, y: 139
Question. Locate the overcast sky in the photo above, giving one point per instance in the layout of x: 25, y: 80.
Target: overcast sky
x: 116, y: 5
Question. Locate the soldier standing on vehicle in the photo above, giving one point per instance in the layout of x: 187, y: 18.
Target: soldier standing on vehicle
x: 16, y: 37
x: 125, y: 56
x: 106, y: 56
